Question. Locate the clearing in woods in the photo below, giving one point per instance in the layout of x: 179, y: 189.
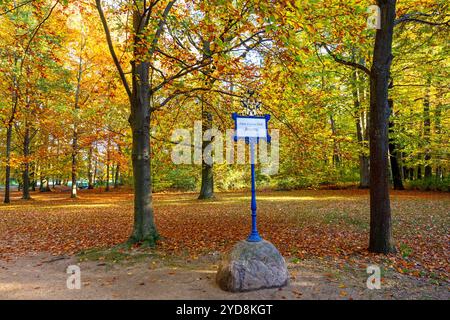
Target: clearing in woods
x: 323, y: 235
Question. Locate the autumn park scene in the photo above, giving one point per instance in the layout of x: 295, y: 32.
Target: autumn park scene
x: 224, y: 150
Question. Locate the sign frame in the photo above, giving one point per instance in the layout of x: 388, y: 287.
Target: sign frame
x: 266, y: 117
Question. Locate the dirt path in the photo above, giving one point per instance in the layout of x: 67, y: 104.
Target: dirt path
x: 43, y: 276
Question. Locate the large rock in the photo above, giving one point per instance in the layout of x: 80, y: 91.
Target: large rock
x: 252, y: 266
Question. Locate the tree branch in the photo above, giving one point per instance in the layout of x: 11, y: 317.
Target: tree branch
x: 412, y: 17
x: 345, y: 62
x: 35, y: 31
x: 111, y: 48
x: 161, y: 24
x: 181, y: 73
x: 16, y: 7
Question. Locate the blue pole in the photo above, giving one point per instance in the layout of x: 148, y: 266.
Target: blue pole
x: 254, y: 235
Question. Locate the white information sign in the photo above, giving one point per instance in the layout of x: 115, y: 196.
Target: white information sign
x: 251, y: 127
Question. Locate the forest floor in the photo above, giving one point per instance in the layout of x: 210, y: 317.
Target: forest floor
x: 323, y: 235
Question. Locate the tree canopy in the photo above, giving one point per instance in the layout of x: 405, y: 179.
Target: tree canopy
x: 90, y: 92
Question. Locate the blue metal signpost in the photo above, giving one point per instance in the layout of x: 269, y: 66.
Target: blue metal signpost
x: 254, y: 235
x: 252, y: 128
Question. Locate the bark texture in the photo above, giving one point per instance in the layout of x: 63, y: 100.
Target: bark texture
x: 381, y: 240
x: 207, y: 183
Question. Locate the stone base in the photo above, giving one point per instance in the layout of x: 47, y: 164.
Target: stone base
x: 252, y: 266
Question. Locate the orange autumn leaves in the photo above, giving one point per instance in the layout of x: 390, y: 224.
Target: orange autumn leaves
x: 325, y: 224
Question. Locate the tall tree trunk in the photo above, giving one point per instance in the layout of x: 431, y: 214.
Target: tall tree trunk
x: 108, y: 160
x: 90, y: 184
x: 26, y: 164
x: 9, y: 128
x: 116, y: 177
x: 94, y: 178
x: 365, y: 127
x: 41, y: 180
x: 427, y: 129
x: 33, y: 176
x: 411, y: 174
x: 364, y: 172
x: 73, y: 193
x: 26, y: 141
x: 438, y: 130
x: 393, y: 154
x: 360, y: 133
x: 107, y: 177
x: 405, y: 169
x: 336, y: 156
x: 58, y: 149
x: 112, y: 172
x: 207, y: 184
x: 8, y: 163
x: 144, y: 229
x: 380, y: 211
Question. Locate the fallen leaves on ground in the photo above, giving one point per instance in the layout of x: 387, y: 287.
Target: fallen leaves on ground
x: 307, y: 223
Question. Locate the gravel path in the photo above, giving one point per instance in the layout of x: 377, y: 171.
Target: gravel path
x: 43, y: 276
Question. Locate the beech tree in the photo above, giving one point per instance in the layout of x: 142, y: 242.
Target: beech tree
x: 340, y: 93
x: 148, y: 77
